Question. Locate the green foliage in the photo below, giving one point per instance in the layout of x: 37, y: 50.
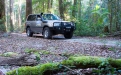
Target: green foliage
x: 105, y: 69
x: 38, y: 53
x: 2, y: 25
x: 27, y: 50
x: 81, y: 28
x: 93, y: 25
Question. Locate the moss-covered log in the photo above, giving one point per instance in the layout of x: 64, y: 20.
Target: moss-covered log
x: 91, y: 62
x: 36, y: 70
x: 77, y: 62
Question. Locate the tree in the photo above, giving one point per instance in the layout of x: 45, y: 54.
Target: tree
x: 49, y: 7
x: 74, y: 11
x: 2, y: 15
x: 28, y: 7
x: 11, y: 15
x: 61, y: 8
x: 19, y: 14
x: 79, y: 8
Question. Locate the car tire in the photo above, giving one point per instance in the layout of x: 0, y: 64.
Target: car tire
x: 68, y: 35
x: 29, y: 32
x: 47, y: 33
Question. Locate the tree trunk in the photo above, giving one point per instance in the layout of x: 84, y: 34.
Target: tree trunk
x: 79, y: 9
x: 19, y: 14
x: 11, y: 15
x: 74, y: 9
x: 2, y: 15
x: 61, y: 9
x: 48, y: 6
x: 28, y: 7
x: 117, y: 15
x: 110, y: 15
x: 43, y: 6
x: 51, y: 3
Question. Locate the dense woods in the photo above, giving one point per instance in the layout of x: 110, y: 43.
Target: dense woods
x: 92, y: 17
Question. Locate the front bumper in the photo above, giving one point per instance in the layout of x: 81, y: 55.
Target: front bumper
x: 62, y: 29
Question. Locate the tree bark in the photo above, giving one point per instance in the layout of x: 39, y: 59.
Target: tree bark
x: 11, y: 15
x: 117, y: 15
x: 79, y: 9
x: 43, y: 2
x: 49, y: 6
x: 61, y: 9
x: 19, y: 14
x: 74, y: 9
x: 110, y: 15
x: 2, y: 15
x: 28, y: 7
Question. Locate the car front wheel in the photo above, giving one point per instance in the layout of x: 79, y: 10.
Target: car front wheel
x: 68, y: 35
x: 29, y: 32
x: 47, y: 33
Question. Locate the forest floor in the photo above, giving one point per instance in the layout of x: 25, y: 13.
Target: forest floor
x: 59, y: 46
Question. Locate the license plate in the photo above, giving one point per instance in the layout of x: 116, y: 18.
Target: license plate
x: 68, y: 27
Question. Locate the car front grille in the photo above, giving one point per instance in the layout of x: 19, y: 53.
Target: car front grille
x: 66, y: 23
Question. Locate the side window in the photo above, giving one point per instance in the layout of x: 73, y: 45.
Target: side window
x: 38, y: 18
x: 31, y: 18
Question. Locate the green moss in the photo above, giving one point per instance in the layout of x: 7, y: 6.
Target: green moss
x: 90, y: 61
x: 24, y: 71
x: 30, y: 50
x: 9, y: 54
x: 36, y: 70
x: 115, y: 62
x: 37, y: 51
x: 44, y: 52
x: 78, y: 62
x: 47, y: 67
x: 83, y: 60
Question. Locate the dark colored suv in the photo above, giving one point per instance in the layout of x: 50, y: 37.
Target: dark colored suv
x: 48, y: 25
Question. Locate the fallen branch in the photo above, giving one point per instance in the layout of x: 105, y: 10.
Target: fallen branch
x: 78, y: 62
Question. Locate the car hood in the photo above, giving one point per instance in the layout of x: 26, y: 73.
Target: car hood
x: 52, y: 21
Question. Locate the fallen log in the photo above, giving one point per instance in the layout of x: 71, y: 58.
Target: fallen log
x: 78, y: 62
x: 23, y: 60
x: 90, y: 62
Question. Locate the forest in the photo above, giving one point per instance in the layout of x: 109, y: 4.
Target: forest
x: 95, y: 48
x: 92, y: 17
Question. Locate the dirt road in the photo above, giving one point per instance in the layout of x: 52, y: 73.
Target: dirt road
x: 59, y: 46
x: 93, y: 40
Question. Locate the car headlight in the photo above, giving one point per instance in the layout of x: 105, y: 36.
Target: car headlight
x: 56, y: 24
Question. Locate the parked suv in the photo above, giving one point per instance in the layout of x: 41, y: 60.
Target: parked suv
x: 48, y: 25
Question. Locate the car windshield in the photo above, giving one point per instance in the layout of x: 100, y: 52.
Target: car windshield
x: 50, y: 17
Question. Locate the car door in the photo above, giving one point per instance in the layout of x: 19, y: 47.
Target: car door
x: 31, y: 22
x: 38, y: 24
